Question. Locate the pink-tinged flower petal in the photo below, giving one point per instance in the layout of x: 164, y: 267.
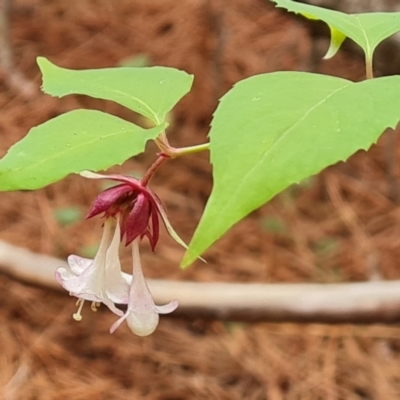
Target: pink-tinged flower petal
x: 143, y: 324
x: 136, y: 222
x: 99, y: 280
x: 117, y: 289
x: 84, y: 284
x: 78, y: 264
x: 167, y: 308
x: 75, y: 285
x: 141, y: 314
x: 107, y: 199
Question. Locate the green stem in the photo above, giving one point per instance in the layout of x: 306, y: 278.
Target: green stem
x: 369, y: 74
x: 188, y: 150
x: 172, y: 152
x: 168, y: 151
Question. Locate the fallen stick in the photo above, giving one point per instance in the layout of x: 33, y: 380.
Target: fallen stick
x: 366, y: 302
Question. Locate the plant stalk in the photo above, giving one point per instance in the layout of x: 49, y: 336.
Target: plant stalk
x: 150, y: 172
x: 188, y: 150
x: 369, y: 73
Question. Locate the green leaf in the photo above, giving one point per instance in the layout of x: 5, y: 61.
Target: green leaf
x: 70, y: 143
x: 151, y: 92
x: 367, y: 30
x: 273, y: 130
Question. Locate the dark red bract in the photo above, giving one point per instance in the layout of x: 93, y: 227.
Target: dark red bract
x: 137, y: 206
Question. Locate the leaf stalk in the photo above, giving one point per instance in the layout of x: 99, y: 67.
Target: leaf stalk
x: 173, y: 152
x: 369, y: 73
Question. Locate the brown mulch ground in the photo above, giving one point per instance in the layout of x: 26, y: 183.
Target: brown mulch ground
x: 337, y: 227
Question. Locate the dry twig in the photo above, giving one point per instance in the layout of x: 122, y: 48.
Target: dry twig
x: 332, y: 303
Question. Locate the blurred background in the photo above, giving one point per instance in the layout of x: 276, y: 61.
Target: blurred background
x: 340, y: 226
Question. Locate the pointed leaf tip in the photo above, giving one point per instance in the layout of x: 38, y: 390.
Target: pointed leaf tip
x: 149, y: 91
x: 284, y: 127
x: 367, y: 30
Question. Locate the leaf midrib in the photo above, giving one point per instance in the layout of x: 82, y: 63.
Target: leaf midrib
x: 129, y: 97
x: 69, y: 149
x: 250, y: 171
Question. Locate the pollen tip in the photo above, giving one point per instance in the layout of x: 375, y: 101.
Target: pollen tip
x: 77, y: 317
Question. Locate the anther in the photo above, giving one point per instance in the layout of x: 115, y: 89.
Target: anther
x: 94, y: 306
x: 77, y: 316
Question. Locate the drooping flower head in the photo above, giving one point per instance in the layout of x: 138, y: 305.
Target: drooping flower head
x: 99, y: 280
x: 138, y: 207
x: 133, y: 211
x: 142, y: 313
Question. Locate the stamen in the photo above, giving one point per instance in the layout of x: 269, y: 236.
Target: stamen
x: 77, y: 316
x: 94, y: 306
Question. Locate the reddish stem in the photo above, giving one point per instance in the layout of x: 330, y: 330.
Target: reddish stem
x: 150, y: 172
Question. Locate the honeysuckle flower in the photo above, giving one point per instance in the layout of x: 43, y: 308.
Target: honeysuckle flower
x: 142, y: 314
x: 137, y: 206
x: 99, y: 280
x: 136, y: 210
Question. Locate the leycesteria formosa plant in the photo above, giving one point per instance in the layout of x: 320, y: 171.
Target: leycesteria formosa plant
x: 132, y: 211
x: 268, y: 132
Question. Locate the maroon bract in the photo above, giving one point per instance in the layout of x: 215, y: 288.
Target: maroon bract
x: 135, y: 206
x: 138, y: 208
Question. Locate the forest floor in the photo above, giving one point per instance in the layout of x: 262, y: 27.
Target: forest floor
x: 341, y: 226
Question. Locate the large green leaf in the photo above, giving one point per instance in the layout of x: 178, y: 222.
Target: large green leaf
x: 70, y: 143
x: 151, y: 92
x: 273, y: 130
x: 367, y: 30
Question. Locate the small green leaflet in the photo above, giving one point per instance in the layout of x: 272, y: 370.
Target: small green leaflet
x: 274, y: 130
x: 149, y: 91
x: 367, y: 30
x: 70, y: 143
x: 85, y: 139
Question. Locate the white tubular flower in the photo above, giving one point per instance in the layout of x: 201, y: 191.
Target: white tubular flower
x: 141, y: 314
x: 99, y: 280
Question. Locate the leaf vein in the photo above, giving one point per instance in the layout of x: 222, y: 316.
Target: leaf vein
x: 250, y: 171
